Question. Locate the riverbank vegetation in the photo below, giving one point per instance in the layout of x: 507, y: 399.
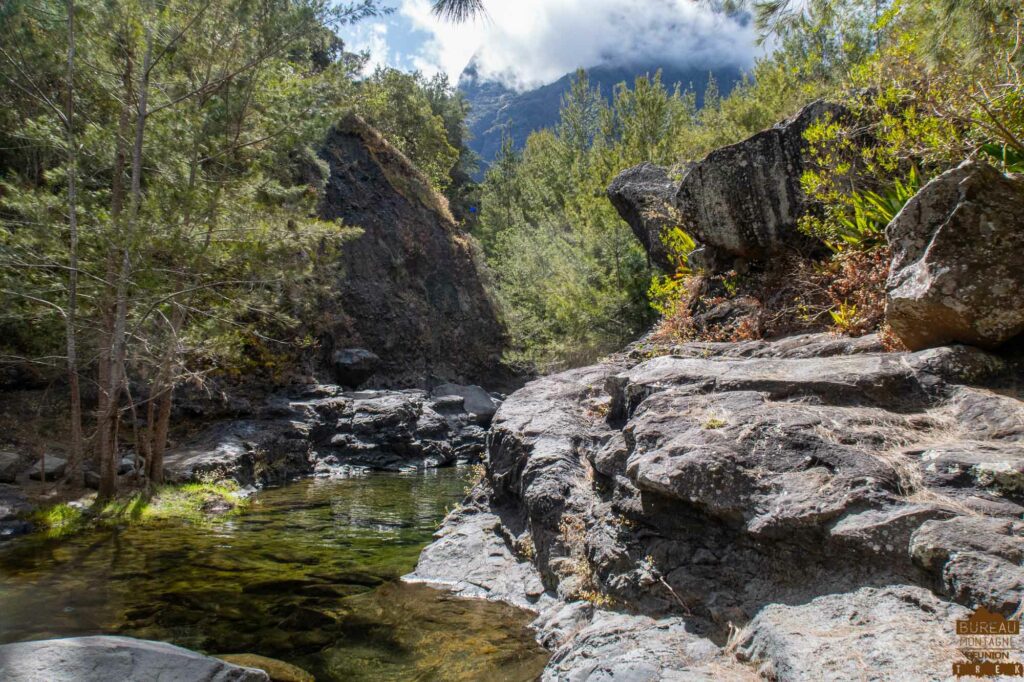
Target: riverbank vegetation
x: 158, y: 190
x: 190, y: 502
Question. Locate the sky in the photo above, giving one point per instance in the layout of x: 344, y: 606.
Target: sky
x: 528, y: 43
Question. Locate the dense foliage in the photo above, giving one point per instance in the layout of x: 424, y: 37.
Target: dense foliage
x: 158, y: 191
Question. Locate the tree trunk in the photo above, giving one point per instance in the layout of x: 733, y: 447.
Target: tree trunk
x: 73, y: 475
x: 117, y: 375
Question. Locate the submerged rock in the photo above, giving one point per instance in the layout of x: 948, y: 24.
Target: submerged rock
x: 956, y: 274
x: 102, y: 659
x: 279, y: 671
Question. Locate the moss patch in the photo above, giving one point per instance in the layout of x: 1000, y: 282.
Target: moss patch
x: 192, y: 502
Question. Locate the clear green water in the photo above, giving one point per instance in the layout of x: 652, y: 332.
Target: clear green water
x: 308, y: 574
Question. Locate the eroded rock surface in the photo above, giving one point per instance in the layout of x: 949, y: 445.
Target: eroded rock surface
x: 728, y: 493
x: 102, y: 659
x: 645, y: 198
x: 956, y: 273
x: 329, y: 429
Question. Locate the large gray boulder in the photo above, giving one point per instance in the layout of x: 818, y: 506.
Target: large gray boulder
x: 644, y: 196
x: 745, y: 199
x: 475, y: 400
x: 102, y: 659
x: 742, y: 201
x: 956, y: 272
x: 52, y: 468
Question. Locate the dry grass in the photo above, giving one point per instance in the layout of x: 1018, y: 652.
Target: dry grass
x: 845, y: 294
x: 401, y: 174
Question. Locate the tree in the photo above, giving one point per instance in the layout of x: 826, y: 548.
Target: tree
x: 175, y: 149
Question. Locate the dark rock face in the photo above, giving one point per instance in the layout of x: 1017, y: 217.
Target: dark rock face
x: 13, y: 506
x: 956, y: 273
x: 353, y: 367
x: 742, y: 201
x: 645, y: 198
x: 100, y: 659
x: 331, y: 430
x: 11, y: 464
x: 411, y: 291
x: 807, y: 485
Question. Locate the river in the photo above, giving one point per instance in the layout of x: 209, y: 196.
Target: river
x: 308, y: 573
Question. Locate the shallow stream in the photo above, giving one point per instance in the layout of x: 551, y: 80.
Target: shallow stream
x: 307, y: 574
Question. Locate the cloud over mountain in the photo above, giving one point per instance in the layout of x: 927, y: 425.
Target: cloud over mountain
x: 526, y: 43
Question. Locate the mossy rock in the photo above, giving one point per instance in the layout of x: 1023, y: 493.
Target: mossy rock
x: 279, y: 671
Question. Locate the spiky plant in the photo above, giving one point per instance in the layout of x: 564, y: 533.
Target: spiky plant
x: 458, y: 11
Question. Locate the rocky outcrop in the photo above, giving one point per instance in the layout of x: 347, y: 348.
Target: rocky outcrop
x: 742, y: 201
x: 328, y: 430
x: 101, y: 659
x: 956, y: 275
x: 411, y: 290
x: 645, y: 198
x: 755, y: 495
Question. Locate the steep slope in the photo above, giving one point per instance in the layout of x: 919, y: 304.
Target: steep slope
x: 411, y: 291
x: 499, y: 111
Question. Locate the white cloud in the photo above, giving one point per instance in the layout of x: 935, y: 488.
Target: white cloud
x: 371, y: 38
x: 526, y: 43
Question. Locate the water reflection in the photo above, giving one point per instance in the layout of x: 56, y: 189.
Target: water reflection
x: 307, y: 575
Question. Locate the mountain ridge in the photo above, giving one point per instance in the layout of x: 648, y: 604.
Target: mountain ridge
x: 498, y: 111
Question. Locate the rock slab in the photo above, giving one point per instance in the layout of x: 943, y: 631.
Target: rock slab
x: 102, y: 659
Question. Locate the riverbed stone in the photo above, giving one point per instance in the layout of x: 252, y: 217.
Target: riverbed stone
x: 475, y: 400
x: 14, y: 507
x: 760, y: 484
x: 102, y: 659
x: 52, y: 469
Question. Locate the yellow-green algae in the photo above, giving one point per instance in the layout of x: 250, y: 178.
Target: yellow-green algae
x: 192, y: 502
